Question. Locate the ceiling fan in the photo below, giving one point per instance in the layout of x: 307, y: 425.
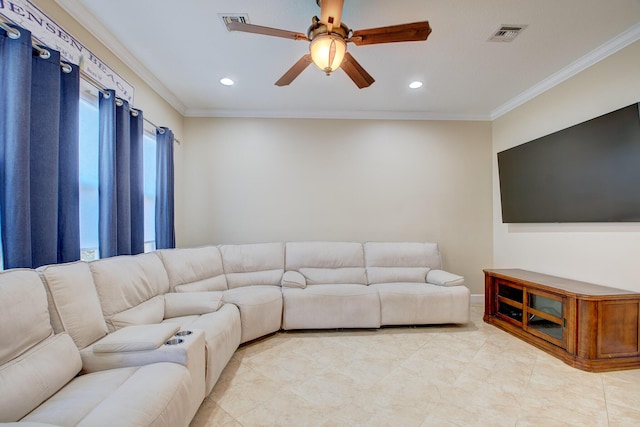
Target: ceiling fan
x: 328, y: 37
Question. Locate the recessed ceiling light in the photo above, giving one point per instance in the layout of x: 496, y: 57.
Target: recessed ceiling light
x: 415, y: 85
x: 227, y: 81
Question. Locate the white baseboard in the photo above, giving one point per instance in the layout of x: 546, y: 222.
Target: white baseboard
x: 477, y: 299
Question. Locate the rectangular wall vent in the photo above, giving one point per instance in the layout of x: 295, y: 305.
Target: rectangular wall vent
x: 228, y: 18
x: 506, y: 33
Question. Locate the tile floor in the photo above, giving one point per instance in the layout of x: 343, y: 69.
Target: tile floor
x: 473, y: 375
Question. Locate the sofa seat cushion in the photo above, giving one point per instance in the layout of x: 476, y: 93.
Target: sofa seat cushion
x: 422, y: 303
x: 260, y: 309
x: 331, y: 306
x: 222, y: 330
x: 150, y: 395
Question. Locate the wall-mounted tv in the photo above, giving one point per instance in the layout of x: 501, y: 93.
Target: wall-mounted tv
x: 589, y: 172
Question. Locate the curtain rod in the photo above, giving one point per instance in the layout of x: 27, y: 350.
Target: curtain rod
x: 14, y: 33
x: 134, y: 111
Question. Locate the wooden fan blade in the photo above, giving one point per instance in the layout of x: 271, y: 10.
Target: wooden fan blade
x: 355, y: 71
x: 266, y: 31
x: 331, y: 12
x: 416, y: 31
x: 294, y: 71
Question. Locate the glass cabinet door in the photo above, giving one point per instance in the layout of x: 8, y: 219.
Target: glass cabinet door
x: 545, y: 317
x: 509, y: 299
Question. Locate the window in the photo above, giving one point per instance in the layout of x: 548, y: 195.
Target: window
x: 89, y: 178
x: 89, y: 155
x: 149, y: 159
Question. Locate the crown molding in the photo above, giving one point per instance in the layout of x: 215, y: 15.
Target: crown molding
x: 104, y: 36
x: 619, y: 42
x: 333, y: 114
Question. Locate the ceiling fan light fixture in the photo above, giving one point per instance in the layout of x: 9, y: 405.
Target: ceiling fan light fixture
x: 327, y: 51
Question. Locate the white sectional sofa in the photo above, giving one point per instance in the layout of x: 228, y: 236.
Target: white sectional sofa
x: 156, y: 330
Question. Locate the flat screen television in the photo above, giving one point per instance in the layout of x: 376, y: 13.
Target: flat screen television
x: 589, y: 172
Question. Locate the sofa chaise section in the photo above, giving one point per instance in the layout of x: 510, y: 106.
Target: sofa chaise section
x: 35, y: 390
x: 325, y: 287
x: 412, y: 287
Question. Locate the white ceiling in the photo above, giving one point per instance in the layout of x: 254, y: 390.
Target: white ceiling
x: 182, y: 49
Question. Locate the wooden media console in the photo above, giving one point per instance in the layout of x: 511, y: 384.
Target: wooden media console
x: 591, y: 327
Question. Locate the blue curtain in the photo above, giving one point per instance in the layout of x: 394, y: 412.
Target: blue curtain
x: 121, y: 224
x: 38, y: 154
x: 137, y: 182
x: 165, y: 229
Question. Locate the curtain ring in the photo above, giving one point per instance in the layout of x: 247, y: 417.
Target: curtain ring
x: 134, y: 112
x: 119, y: 102
x: 13, y: 33
x: 42, y: 52
x: 106, y: 94
x: 66, y: 68
x: 160, y: 131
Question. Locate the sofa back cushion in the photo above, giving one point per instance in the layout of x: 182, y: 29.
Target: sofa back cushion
x: 74, y: 305
x: 327, y: 262
x: 125, y: 282
x: 400, y: 261
x: 253, y: 264
x: 24, y: 316
x: 194, y: 269
x: 34, y: 363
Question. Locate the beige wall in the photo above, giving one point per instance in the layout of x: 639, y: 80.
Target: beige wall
x: 253, y: 180
x: 602, y: 253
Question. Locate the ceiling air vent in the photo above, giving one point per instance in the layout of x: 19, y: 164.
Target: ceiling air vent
x: 506, y: 33
x: 228, y: 18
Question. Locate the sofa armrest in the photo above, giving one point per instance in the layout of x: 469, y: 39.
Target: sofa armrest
x: 136, y: 338
x: 191, y: 303
x: 187, y: 350
x: 293, y: 279
x: 444, y: 278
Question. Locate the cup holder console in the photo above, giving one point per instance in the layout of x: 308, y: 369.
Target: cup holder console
x: 174, y: 341
x: 183, y: 333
